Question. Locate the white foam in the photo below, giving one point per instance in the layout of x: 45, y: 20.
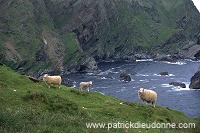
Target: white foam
x: 132, y: 80
x: 144, y: 60
x: 177, y: 88
x: 192, y: 60
x: 115, y: 72
x: 187, y: 86
x: 89, y: 73
x: 144, y: 80
x: 108, y: 71
x: 155, y: 74
x: 169, y: 75
x: 184, y: 89
x: 144, y: 75
x: 175, y: 63
x: 103, y: 78
x: 166, y: 85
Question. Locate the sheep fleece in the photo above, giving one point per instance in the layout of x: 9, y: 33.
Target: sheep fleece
x: 56, y: 80
x: 147, y: 95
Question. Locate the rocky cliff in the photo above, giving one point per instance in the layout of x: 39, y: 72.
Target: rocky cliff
x: 195, y: 81
x: 40, y: 36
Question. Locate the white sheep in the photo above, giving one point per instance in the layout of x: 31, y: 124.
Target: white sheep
x: 148, y: 96
x: 85, y: 84
x: 55, y: 80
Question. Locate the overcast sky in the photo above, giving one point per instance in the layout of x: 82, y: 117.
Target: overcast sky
x: 197, y: 4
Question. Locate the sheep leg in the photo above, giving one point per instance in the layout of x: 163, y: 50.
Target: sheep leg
x: 153, y: 103
x: 88, y: 89
x: 80, y: 88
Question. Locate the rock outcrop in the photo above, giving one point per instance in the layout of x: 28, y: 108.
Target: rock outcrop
x: 163, y: 73
x: 182, y: 85
x: 73, y: 35
x: 195, y: 81
x: 125, y: 76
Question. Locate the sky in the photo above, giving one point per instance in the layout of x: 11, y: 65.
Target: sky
x: 197, y: 4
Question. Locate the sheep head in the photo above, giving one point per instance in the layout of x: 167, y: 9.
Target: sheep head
x: 141, y: 90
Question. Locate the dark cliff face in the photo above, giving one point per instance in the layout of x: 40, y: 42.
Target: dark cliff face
x: 123, y: 29
x: 69, y: 35
x: 195, y: 81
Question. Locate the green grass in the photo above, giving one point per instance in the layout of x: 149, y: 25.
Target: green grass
x: 71, y: 45
x: 148, y: 26
x: 171, y: 4
x: 26, y: 21
x: 72, y: 50
x: 33, y: 107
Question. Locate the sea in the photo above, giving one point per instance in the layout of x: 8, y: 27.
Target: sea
x: 145, y: 74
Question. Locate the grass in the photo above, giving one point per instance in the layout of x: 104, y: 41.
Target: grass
x: 71, y: 45
x: 144, y: 27
x: 33, y: 107
x: 148, y: 25
x: 25, y: 21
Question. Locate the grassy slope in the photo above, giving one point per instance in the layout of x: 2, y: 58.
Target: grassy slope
x: 33, y: 107
x: 147, y: 28
x: 144, y: 30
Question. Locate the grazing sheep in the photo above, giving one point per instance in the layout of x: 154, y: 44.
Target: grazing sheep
x: 55, y: 80
x: 85, y: 84
x: 147, y: 95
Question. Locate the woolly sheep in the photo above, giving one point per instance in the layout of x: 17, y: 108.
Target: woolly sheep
x: 148, y: 96
x: 85, y: 84
x: 55, y: 80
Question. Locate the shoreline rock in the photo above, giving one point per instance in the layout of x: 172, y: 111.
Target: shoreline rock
x: 195, y: 81
x: 164, y: 73
x: 125, y: 76
x: 182, y: 85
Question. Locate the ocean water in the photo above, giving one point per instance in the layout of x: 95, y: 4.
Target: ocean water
x: 145, y: 73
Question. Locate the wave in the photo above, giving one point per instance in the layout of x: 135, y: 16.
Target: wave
x: 89, y: 74
x: 144, y: 80
x: 144, y: 60
x: 192, y: 60
x: 112, y: 70
x: 169, y: 75
x: 145, y: 75
x: 177, y: 88
x: 106, y: 77
x: 166, y: 85
x: 175, y: 63
x: 155, y: 74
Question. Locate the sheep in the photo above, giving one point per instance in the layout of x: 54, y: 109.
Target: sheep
x: 85, y: 84
x: 149, y: 96
x: 55, y: 80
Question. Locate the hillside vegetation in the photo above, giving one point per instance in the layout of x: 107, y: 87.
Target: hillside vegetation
x: 33, y: 107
